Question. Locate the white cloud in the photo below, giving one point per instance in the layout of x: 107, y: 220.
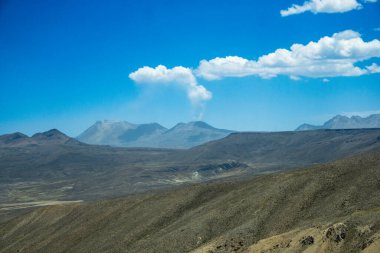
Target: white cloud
x: 328, y: 57
x: 175, y: 76
x: 374, y: 68
x: 323, y: 6
x: 295, y: 78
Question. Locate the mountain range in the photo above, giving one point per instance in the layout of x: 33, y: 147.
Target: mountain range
x: 344, y: 122
x: 51, y: 165
x: 125, y: 134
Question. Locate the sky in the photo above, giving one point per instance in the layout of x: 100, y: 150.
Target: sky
x: 243, y: 65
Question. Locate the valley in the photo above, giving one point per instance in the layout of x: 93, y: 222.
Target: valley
x: 53, y: 166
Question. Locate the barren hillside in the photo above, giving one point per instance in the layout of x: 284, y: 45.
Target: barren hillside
x: 334, y: 207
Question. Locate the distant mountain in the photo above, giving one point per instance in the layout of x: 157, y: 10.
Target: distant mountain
x: 189, y: 135
x: 344, y: 122
x: 13, y: 139
x: 305, y: 127
x: 52, y: 136
x: 125, y: 134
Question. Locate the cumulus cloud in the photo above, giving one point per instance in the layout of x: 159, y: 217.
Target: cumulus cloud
x: 328, y: 57
x: 342, y: 54
x: 323, y: 6
x: 175, y: 76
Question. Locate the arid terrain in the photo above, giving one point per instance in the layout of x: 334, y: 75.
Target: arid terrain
x: 200, y: 126
x: 332, y: 207
x: 51, y: 166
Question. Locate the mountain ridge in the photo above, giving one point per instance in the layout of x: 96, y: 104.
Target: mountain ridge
x: 344, y: 122
x: 125, y: 134
x: 50, y: 137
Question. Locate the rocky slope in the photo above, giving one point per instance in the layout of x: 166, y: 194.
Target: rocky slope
x: 327, y: 208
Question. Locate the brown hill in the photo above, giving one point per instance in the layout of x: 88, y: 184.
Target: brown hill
x: 326, y: 208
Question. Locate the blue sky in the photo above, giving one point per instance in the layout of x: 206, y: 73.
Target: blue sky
x: 66, y: 64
